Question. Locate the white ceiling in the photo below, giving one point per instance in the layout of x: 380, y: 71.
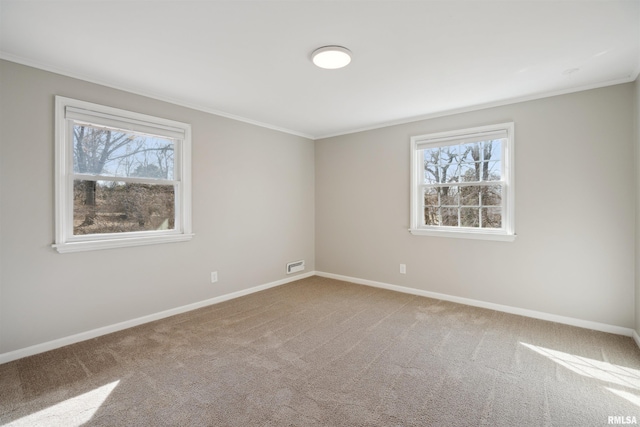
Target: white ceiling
x: 251, y: 60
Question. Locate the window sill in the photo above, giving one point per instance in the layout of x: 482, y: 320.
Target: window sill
x: 94, y: 245
x: 503, y: 237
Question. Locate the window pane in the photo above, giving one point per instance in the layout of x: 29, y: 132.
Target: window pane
x: 448, y: 155
x: 442, y: 155
x: 470, y: 172
x: 490, y: 170
x: 118, y: 207
x: 120, y: 153
x: 450, y: 217
x: 431, y: 216
x: 492, y: 150
x: 430, y: 160
x: 470, y: 196
x: 469, y: 217
x: 480, y: 161
x: 449, y: 196
x: 492, y: 195
x: 491, y: 217
x: 431, y: 197
x: 470, y: 153
x: 449, y: 173
x: 440, y: 165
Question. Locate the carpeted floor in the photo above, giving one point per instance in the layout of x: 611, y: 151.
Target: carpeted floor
x: 320, y: 352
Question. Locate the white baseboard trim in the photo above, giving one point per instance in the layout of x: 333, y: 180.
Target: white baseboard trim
x: 636, y: 338
x: 83, y: 336
x: 602, y: 327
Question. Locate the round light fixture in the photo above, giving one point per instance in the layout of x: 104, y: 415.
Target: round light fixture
x: 331, y: 57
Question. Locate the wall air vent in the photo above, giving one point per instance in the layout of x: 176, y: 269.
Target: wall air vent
x: 294, y: 267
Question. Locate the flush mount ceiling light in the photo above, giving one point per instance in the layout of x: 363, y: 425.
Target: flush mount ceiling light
x: 331, y: 57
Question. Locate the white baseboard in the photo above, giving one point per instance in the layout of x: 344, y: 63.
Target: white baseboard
x: 603, y: 327
x: 83, y: 336
x: 636, y: 338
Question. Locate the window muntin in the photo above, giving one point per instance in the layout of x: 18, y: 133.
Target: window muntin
x: 462, y: 183
x: 122, y: 178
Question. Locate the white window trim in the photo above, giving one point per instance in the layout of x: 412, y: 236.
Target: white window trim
x: 64, y: 240
x: 507, y: 233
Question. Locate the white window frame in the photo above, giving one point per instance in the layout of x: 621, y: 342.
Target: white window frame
x: 69, y: 111
x: 418, y: 143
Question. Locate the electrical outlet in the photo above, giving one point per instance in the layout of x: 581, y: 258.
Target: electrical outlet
x: 214, y: 276
x: 403, y: 268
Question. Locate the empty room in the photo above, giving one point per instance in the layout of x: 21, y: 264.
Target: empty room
x: 319, y: 213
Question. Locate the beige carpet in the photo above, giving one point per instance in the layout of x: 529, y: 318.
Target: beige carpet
x: 325, y: 352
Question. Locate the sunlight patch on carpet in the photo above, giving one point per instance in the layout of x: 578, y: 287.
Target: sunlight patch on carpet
x: 71, y: 412
x: 633, y: 398
x: 597, y: 369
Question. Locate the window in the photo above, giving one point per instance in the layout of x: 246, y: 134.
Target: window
x: 462, y: 183
x: 122, y: 178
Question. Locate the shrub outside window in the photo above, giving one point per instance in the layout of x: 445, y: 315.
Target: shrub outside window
x: 122, y: 178
x: 462, y: 183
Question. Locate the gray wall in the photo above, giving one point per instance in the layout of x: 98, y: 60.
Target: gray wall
x: 253, y: 211
x: 575, y: 187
